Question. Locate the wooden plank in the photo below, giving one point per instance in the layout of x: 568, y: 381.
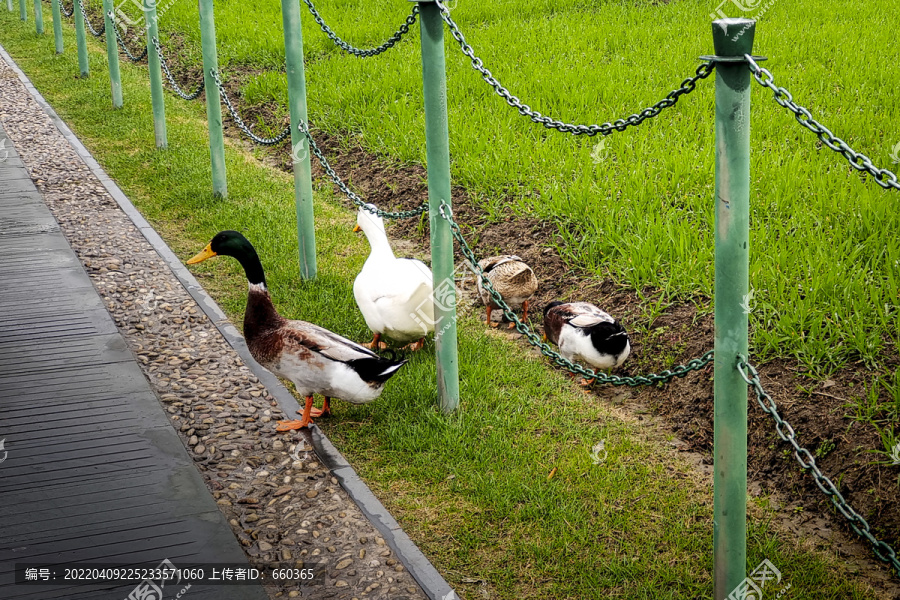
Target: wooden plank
x: 92, y: 469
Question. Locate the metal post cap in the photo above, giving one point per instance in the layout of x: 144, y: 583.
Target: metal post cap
x: 733, y: 37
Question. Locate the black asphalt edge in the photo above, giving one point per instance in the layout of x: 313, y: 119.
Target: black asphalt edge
x: 428, y: 578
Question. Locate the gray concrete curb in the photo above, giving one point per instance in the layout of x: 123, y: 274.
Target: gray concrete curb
x: 431, y: 581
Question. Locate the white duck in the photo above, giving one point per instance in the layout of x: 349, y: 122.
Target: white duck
x: 395, y: 295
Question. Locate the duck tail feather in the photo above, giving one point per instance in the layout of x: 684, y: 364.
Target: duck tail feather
x: 392, y: 369
x: 375, y: 370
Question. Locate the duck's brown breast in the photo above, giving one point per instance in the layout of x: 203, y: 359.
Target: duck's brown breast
x: 553, y: 322
x: 262, y: 326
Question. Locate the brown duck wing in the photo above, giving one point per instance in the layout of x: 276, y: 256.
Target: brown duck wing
x: 577, y: 314
x: 325, y: 342
x: 303, y: 337
x: 586, y: 308
x: 588, y: 321
x: 512, y: 278
x: 521, y: 279
x: 489, y: 264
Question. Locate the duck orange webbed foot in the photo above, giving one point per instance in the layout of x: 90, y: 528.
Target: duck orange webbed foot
x: 415, y: 345
x: 488, y: 321
x: 292, y: 425
x: 584, y: 383
x: 325, y: 411
x: 375, y: 343
x: 304, y: 421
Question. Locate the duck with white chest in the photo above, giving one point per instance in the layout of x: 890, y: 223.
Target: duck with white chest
x: 395, y: 295
x: 315, y: 359
x: 584, y: 333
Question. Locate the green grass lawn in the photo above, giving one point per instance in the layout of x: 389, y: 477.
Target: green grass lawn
x: 824, y: 268
x: 473, y: 489
x: 825, y: 261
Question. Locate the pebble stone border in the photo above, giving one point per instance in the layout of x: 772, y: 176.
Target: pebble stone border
x: 287, y: 498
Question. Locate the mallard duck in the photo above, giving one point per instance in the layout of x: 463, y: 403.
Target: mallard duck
x: 587, y: 334
x: 395, y: 295
x: 513, y: 280
x: 315, y: 359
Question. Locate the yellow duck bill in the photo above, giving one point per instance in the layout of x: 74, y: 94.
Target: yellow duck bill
x: 203, y: 255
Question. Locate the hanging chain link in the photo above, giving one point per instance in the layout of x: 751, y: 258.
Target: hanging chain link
x: 87, y: 22
x: 356, y: 200
x: 857, y: 160
x: 128, y: 53
x: 687, y: 86
x: 881, y: 549
x: 361, y: 52
x: 240, y: 122
x: 666, y: 376
x: 67, y: 13
x: 172, y: 82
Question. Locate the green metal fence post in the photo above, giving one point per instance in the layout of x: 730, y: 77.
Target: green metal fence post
x: 156, y: 89
x: 731, y: 38
x: 38, y: 17
x: 437, y: 149
x: 9, y: 5
x: 81, y: 41
x: 112, y: 54
x: 23, y: 14
x: 296, y: 76
x: 213, y: 101
x: 57, y: 27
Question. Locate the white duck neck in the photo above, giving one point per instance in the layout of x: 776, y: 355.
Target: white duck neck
x: 378, y: 240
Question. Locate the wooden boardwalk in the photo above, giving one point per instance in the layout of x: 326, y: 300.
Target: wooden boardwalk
x: 92, y: 470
